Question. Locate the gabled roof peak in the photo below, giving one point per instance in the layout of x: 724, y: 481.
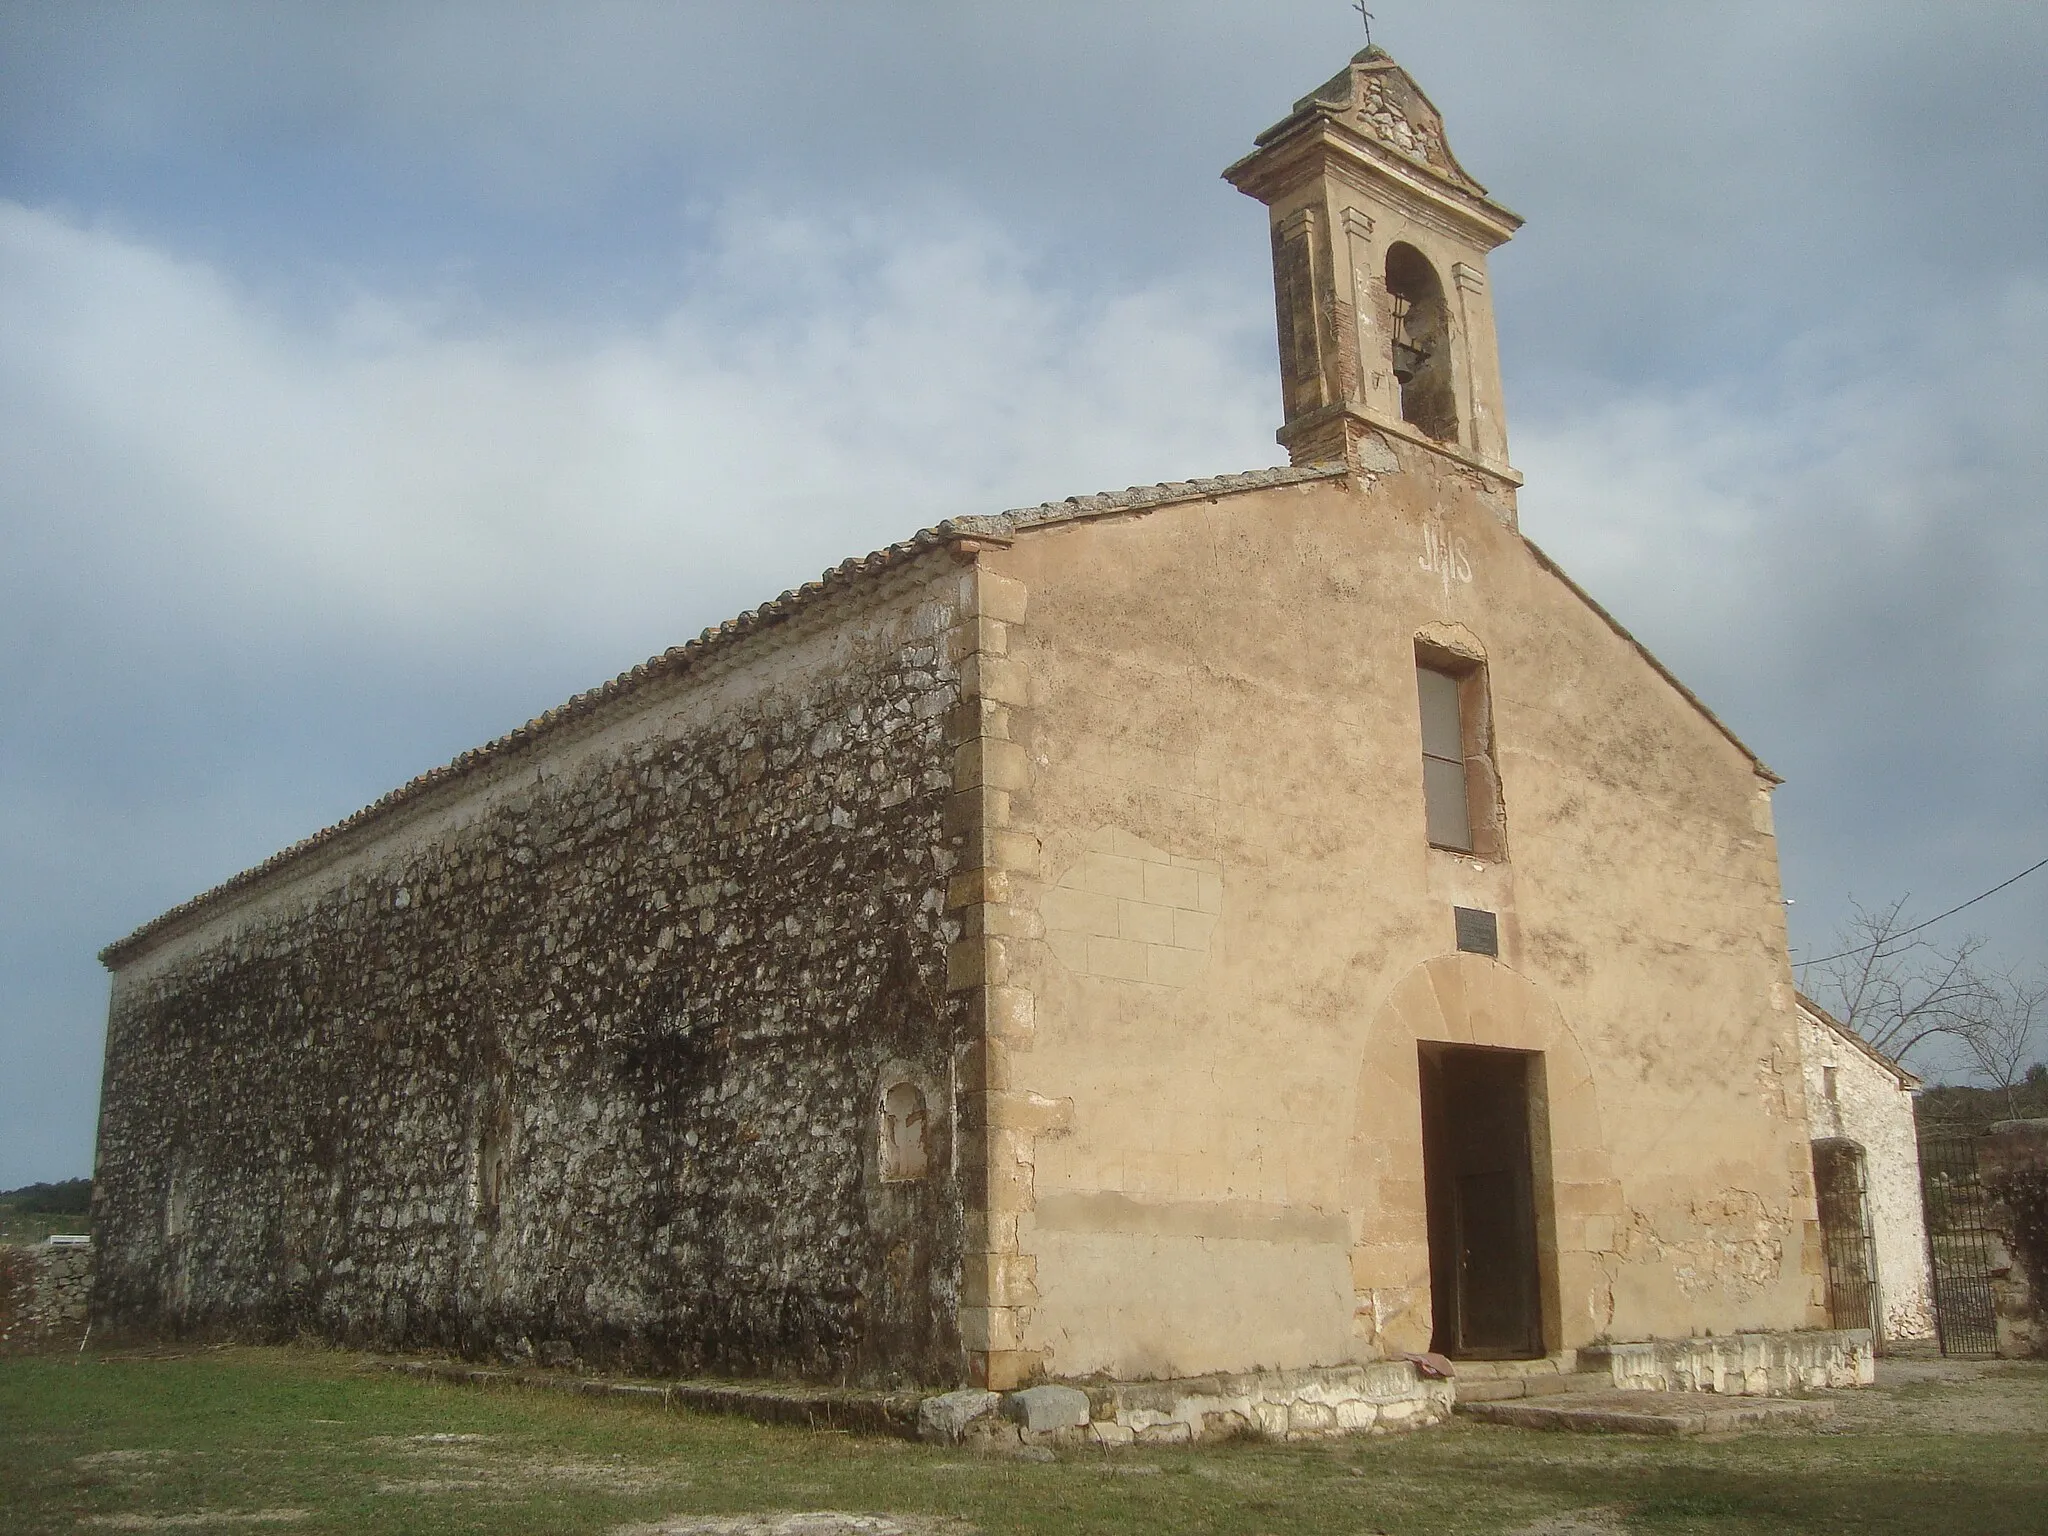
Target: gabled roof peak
x: 1379, y: 100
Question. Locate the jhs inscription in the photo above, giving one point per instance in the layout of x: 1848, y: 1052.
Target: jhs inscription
x: 1446, y: 554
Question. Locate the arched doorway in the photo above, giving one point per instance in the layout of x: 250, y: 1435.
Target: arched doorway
x: 1493, y: 1040
x: 1840, y: 1189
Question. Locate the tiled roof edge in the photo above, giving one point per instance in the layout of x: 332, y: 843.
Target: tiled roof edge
x: 1821, y: 1016
x: 1763, y: 769
x: 680, y: 659
x: 1142, y: 497
x: 673, y: 662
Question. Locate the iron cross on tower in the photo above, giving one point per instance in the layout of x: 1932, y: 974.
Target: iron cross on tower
x: 1365, y: 16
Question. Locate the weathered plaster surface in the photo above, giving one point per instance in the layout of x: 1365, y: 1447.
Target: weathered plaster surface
x: 614, y: 1052
x: 1870, y: 1106
x: 1223, y: 693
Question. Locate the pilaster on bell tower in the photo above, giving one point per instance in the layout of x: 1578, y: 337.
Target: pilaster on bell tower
x: 1380, y: 241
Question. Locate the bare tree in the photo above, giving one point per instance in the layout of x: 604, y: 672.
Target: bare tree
x: 2003, y: 1036
x: 1899, y: 989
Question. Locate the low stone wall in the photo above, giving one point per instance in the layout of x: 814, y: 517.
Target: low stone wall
x: 1287, y: 1405
x: 44, y: 1290
x: 1742, y: 1364
x: 2012, y: 1160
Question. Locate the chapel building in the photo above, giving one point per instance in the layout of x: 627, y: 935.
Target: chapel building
x: 1270, y: 923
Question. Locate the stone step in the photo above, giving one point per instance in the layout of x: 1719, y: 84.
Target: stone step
x: 1563, y: 1363
x: 1647, y: 1413
x: 1496, y: 1389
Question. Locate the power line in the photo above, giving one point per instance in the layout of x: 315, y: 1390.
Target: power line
x: 1951, y: 912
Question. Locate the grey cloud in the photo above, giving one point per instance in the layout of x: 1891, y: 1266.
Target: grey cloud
x: 373, y: 377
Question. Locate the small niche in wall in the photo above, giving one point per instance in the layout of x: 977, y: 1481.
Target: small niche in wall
x: 905, y: 1131
x: 177, y: 1201
x: 494, y: 1150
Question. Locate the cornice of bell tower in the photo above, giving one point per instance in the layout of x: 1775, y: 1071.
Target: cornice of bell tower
x: 1380, y: 241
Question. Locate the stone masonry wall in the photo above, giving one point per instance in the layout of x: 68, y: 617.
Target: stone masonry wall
x: 643, y: 1055
x: 2013, y: 1159
x: 44, y: 1290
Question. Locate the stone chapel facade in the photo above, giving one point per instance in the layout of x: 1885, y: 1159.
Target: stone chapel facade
x: 1277, y: 921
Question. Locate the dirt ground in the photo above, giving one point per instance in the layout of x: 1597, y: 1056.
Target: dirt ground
x: 1927, y: 1394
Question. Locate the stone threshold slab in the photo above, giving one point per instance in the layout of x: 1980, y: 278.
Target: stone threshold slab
x: 848, y: 1408
x: 1648, y: 1413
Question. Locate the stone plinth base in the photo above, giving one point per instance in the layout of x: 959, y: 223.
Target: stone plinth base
x: 1291, y: 1405
x: 1740, y: 1365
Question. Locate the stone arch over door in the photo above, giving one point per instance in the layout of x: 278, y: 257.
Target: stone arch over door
x: 1465, y: 999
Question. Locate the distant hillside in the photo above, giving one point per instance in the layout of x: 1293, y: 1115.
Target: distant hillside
x: 1955, y: 1108
x: 33, y: 1212
x: 70, y: 1197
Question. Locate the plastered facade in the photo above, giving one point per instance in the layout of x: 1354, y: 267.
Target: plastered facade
x: 1853, y: 1095
x: 1236, y: 934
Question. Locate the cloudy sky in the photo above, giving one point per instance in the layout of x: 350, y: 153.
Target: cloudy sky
x: 373, y: 376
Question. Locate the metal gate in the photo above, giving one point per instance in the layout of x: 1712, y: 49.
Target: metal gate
x: 1958, y: 1245
x: 1838, y: 1184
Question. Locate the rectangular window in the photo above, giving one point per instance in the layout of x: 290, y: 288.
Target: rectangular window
x: 1446, y: 799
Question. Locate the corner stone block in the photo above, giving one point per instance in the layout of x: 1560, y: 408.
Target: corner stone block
x: 1001, y: 678
x: 998, y: 1280
x: 1003, y: 1369
x: 1007, y: 1013
x: 1001, y: 921
x: 977, y: 717
x: 971, y: 814
x: 1010, y: 850
x: 1002, y: 598
x: 978, y: 962
x: 988, y: 1231
x: 991, y: 1329
x: 976, y: 887
x: 994, y: 764
x: 977, y: 637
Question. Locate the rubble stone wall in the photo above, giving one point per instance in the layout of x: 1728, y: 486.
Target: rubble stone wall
x: 44, y: 1290
x: 635, y: 1049
x: 2013, y: 1161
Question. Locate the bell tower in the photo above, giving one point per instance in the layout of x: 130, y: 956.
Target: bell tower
x: 1380, y: 241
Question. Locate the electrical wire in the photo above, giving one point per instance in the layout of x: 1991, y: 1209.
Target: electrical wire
x: 1951, y: 912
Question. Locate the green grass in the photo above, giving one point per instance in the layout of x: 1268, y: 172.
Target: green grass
x: 35, y: 1226
x: 113, y: 1439
x: 33, y: 1212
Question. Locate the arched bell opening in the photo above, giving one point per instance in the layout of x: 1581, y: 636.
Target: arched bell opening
x: 1420, y: 325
